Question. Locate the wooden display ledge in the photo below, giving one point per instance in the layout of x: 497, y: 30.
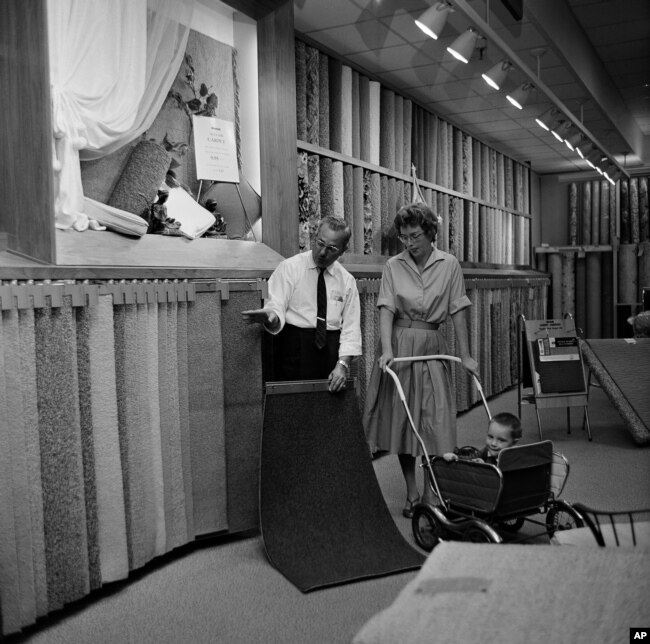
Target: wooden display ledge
x: 104, y: 255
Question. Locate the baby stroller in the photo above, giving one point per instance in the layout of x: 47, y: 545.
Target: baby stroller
x: 478, y: 501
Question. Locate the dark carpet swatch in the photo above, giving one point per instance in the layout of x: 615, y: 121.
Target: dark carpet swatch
x: 324, y: 520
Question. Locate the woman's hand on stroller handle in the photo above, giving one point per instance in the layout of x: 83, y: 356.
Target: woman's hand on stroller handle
x: 386, y: 360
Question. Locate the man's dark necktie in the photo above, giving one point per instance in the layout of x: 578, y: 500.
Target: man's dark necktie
x: 321, y: 313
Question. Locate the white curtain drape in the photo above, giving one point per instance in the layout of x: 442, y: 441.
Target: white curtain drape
x: 112, y: 63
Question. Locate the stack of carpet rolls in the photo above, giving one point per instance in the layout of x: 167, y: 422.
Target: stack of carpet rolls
x: 482, y: 195
x: 129, y: 429
x: 583, y: 281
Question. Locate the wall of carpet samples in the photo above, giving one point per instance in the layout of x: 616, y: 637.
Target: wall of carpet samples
x: 130, y: 431
x: 358, y: 142
x: 599, y: 277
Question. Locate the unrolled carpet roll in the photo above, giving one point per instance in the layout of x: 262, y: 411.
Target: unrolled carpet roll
x: 338, y: 203
x: 301, y: 90
x: 326, y: 186
x: 387, y: 129
x: 399, y: 133
x: 573, y: 213
x: 348, y: 195
x: 358, y: 211
x: 356, y: 116
x: 374, y: 121
x: 626, y: 234
x: 206, y: 413
x: 313, y: 178
x: 375, y: 205
x: 143, y: 173
x: 604, y: 215
x: 346, y: 110
x: 364, y: 117
x: 643, y: 268
x: 555, y: 269
x: 627, y: 274
x: 586, y: 213
x: 312, y: 101
x: 595, y: 212
x: 406, y: 136
x: 644, y: 213
x: 335, y: 104
x: 323, y: 100
x: 634, y: 210
x: 303, y: 201
x: 568, y: 283
x: 594, y: 290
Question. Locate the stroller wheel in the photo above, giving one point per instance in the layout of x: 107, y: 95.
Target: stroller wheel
x: 562, y: 516
x: 512, y: 525
x: 479, y: 534
x: 427, y: 530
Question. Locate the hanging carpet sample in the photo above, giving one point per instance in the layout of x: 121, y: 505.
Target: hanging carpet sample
x: 323, y: 517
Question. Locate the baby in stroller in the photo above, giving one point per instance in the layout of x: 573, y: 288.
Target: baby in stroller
x: 504, y: 430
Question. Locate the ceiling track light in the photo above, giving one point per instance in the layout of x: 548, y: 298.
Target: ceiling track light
x: 463, y: 47
x: 547, y: 118
x: 561, y: 130
x: 612, y: 174
x: 594, y: 157
x: 520, y: 96
x: 584, y: 149
x: 433, y: 20
x: 573, y: 140
x: 495, y: 77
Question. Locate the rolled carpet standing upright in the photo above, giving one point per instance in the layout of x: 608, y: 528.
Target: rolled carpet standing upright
x: 573, y: 213
x: 627, y: 274
x: 555, y: 269
x: 323, y: 517
x: 301, y: 90
x: 594, y: 290
x: 643, y: 268
x: 312, y: 101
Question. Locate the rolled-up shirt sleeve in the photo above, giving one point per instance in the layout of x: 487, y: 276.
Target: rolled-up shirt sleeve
x: 350, y: 341
x: 458, y: 299
x: 280, y: 287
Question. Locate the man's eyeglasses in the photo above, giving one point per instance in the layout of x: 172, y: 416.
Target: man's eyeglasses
x: 410, y: 238
x: 330, y: 249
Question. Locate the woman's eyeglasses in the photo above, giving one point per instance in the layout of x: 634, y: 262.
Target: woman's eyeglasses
x: 330, y: 249
x: 410, y: 238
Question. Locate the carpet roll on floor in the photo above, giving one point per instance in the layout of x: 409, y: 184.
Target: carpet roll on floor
x: 137, y: 186
x: 323, y: 517
x: 627, y: 274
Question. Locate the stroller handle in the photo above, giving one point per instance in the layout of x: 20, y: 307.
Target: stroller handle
x: 443, y: 356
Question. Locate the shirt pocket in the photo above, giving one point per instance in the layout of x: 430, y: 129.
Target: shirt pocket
x: 335, y: 306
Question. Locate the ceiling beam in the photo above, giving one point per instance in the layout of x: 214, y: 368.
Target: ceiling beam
x: 557, y: 23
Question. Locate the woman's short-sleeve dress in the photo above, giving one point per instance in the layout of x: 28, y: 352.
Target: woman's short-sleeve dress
x: 430, y: 296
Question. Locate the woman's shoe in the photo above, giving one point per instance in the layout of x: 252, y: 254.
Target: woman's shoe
x: 408, y: 508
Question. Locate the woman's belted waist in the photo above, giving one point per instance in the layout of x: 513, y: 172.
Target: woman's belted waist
x: 416, y: 324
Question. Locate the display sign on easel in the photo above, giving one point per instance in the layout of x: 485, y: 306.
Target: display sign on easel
x: 554, y: 357
x: 215, y: 149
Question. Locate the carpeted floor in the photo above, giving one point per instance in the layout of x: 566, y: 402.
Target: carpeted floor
x: 226, y: 591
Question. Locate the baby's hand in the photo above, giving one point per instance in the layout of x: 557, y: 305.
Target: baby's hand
x: 449, y: 457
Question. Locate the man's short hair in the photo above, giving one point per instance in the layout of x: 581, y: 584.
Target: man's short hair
x: 337, y: 225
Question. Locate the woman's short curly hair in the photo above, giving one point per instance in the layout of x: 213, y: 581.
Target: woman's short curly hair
x: 417, y: 214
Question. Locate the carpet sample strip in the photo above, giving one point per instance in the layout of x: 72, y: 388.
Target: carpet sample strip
x: 242, y: 395
x: 323, y: 517
x: 64, y: 506
x: 622, y: 369
x: 206, y: 413
x: 301, y: 90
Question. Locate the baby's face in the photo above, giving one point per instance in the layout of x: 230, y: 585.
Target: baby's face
x: 498, y: 437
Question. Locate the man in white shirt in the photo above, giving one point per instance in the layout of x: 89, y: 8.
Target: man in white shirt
x: 291, y: 312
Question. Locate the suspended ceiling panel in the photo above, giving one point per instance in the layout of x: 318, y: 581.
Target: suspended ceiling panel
x: 380, y: 38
